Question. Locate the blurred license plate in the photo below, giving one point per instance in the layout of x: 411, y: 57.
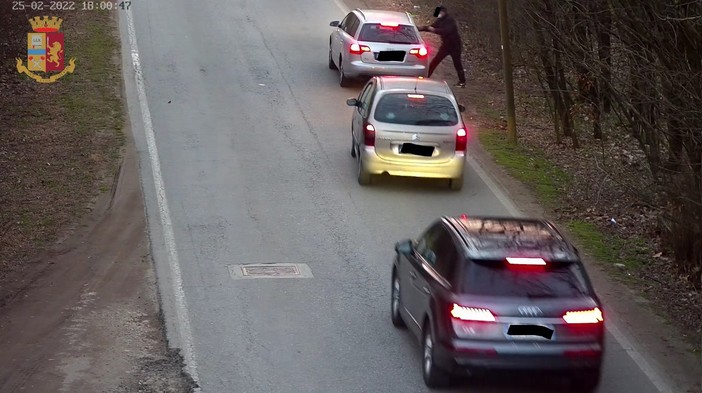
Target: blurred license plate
x: 391, y: 56
x: 527, y: 331
x: 418, y: 150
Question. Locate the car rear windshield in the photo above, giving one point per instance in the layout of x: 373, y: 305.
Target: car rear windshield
x: 416, y: 109
x: 401, y: 34
x: 498, y: 278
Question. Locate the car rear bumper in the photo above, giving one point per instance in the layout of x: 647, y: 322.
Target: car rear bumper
x: 468, y: 357
x: 375, y: 165
x: 359, y: 68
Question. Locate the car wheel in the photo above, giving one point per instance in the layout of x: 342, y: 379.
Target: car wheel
x: 456, y: 184
x: 332, y: 66
x: 343, y: 80
x: 395, y: 305
x: 585, y: 381
x: 364, y: 178
x: 353, y: 147
x: 434, y: 376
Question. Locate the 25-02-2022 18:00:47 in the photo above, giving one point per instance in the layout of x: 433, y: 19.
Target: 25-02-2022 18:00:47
x: 70, y: 5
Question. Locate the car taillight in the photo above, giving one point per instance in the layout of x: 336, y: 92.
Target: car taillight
x: 526, y: 261
x: 461, y: 139
x: 368, y: 134
x: 357, y: 49
x: 471, y: 313
x: 584, y: 316
x: 419, y: 52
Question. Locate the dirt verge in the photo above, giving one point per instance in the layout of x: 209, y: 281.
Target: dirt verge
x: 78, y: 302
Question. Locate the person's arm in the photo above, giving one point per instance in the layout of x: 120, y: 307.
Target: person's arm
x: 439, y: 27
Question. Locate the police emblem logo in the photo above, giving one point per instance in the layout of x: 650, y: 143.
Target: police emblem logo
x: 45, y: 51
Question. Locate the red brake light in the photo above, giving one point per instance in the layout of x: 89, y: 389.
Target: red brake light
x: 526, y: 261
x: 416, y: 96
x: 585, y: 316
x: 369, y: 135
x: 471, y: 314
x: 389, y: 24
x: 419, y: 52
x: 358, y: 49
x: 461, y: 139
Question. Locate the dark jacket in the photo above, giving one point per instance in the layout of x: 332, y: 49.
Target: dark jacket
x: 447, y: 28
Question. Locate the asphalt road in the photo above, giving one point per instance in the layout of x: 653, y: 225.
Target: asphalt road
x: 253, y: 139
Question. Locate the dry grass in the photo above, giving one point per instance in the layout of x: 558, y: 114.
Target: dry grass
x: 59, y: 143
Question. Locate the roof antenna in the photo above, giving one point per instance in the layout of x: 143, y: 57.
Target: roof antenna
x: 416, y: 81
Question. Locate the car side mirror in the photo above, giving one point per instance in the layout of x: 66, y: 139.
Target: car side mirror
x: 352, y: 102
x: 404, y: 247
x: 334, y: 23
x: 461, y: 108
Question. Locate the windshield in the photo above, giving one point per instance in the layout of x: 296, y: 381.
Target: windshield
x: 416, y: 109
x: 498, y: 278
x: 402, y: 34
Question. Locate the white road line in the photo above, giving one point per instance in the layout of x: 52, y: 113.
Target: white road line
x: 181, y: 306
x: 655, y: 377
x: 496, y: 190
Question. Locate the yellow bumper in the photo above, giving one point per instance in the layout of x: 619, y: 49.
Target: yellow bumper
x: 451, y: 169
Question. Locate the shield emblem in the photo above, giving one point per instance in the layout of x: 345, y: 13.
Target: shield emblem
x: 45, y: 51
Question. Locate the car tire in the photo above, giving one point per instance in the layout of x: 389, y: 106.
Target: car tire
x: 434, y: 376
x: 585, y: 381
x: 364, y: 178
x: 353, y: 147
x: 332, y: 66
x: 395, y: 302
x: 343, y: 80
x: 456, y: 184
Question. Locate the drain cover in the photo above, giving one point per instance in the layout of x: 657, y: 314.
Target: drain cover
x: 270, y: 270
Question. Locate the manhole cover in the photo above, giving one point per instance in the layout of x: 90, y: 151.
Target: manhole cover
x: 270, y: 270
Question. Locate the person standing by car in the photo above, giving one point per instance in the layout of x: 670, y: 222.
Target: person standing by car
x: 445, y: 26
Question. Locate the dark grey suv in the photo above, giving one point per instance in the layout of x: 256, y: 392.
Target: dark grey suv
x: 498, y: 294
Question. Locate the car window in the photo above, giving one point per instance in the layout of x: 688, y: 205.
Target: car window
x: 427, y: 243
x: 446, y: 254
x: 352, y: 26
x: 345, y: 21
x: 365, y: 99
x: 375, y: 32
x: 498, y: 278
x: 416, y: 109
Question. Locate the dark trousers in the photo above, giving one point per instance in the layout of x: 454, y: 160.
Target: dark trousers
x: 455, y: 53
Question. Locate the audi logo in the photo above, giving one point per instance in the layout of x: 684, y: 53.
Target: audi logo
x: 530, y: 311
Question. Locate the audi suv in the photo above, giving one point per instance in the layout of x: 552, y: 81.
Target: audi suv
x: 498, y: 294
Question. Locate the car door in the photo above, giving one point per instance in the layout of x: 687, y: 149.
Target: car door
x: 337, y: 37
x: 415, y: 281
x: 360, y: 112
x: 437, y: 270
x: 342, y: 34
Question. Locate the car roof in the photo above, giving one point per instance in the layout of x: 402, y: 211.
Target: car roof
x: 378, y: 16
x: 410, y: 83
x: 496, y: 238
